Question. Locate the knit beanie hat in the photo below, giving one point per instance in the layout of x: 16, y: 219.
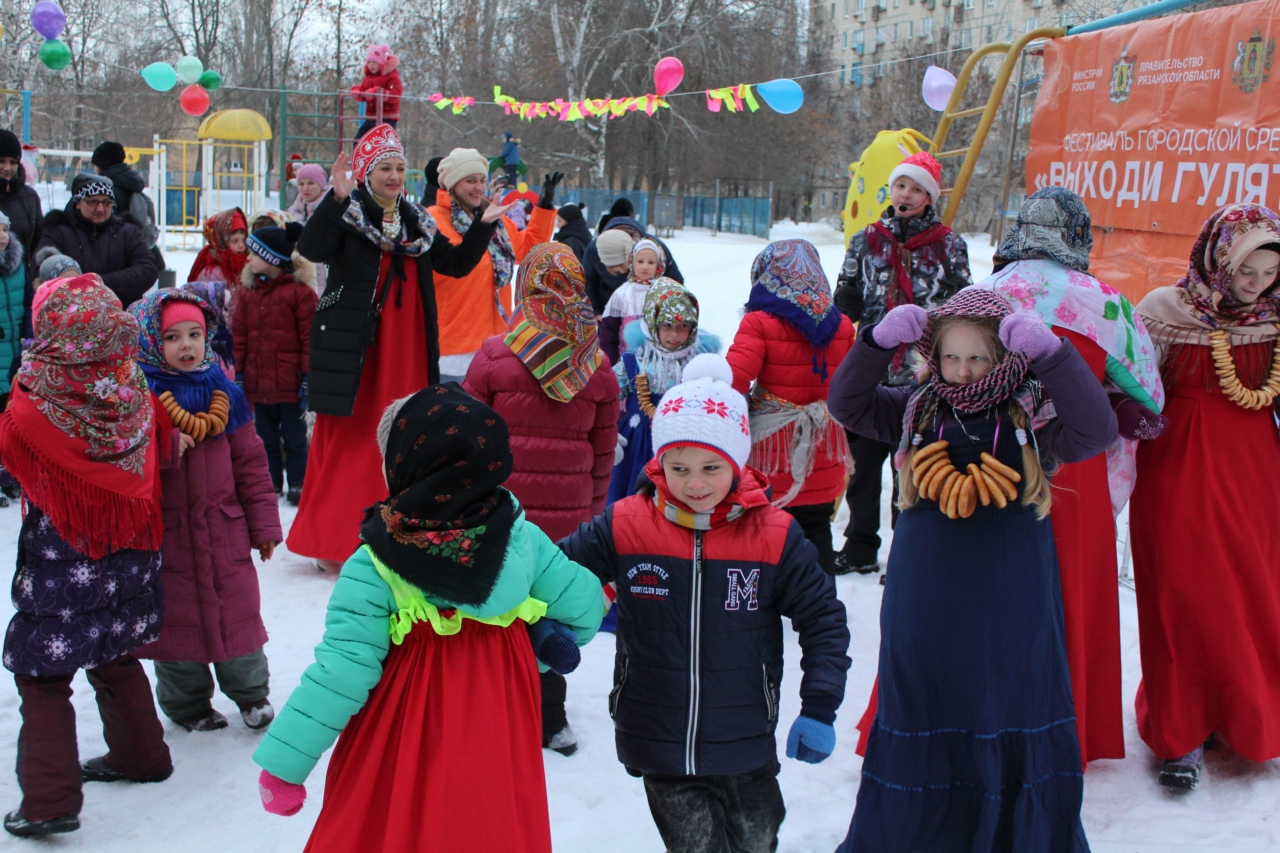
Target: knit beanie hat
x: 924, y: 170
x: 58, y: 266
x: 4, y: 220
x: 9, y: 145
x: 108, y: 154
x: 177, y: 311
x: 87, y: 186
x: 313, y: 172
x: 570, y: 213
x: 614, y: 247
x: 274, y: 245
x: 461, y: 163
x: 704, y: 411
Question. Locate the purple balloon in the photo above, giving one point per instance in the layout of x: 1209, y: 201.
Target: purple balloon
x: 48, y: 19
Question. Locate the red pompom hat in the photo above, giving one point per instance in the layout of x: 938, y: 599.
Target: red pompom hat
x: 924, y: 170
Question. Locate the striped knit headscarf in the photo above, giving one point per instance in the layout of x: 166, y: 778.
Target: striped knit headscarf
x: 553, y: 330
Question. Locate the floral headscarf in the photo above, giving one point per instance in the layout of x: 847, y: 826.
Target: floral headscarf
x: 77, y: 434
x: 1052, y: 224
x: 668, y: 302
x: 445, y: 524
x: 216, y: 259
x: 553, y: 330
x: 192, y: 391
x: 787, y: 281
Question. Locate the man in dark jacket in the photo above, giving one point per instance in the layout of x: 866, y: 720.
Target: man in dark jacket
x: 99, y: 240
x: 20, y: 202
x: 602, y: 281
x: 572, y: 230
x: 109, y: 161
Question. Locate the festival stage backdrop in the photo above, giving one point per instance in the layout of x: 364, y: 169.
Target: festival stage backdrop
x: 1156, y: 125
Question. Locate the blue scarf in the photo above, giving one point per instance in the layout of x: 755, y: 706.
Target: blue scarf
x: 787, y: 281
x: 192, y: 391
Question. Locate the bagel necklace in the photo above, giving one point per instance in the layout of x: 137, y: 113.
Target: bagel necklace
x: 643, y: 396
x: 200, y: 424
x: 1245, y: 398
x: 959, y: 493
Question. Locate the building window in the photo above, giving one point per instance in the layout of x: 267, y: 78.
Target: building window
x: 926, y: 28
x: 1032, y: 24
x: 846, y: 8
x: 833, y: 11
x: 841, y: 75
x: 910, y: 27
x: 862, y: 8
x: 855, y: 75
x: 990, y: 33
x: 968, y: 4
x: 844, y: 40
x: 1008, y: 31
x: 859, y: 41
x: 894, y: 32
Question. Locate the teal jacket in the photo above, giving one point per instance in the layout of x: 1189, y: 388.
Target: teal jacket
x: 13, y: 284
x: 358, y: 636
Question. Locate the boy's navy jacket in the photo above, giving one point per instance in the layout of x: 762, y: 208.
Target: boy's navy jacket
x: 698, y: 670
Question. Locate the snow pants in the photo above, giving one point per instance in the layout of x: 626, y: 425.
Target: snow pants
x: 717, y: 814
x: 185, y: 689
x: 48, y: 758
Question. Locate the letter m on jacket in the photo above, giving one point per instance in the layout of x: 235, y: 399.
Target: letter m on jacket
x: 742, y: 587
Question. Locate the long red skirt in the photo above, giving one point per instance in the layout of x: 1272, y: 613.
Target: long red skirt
x: 344, y: 466
x: 1206, y: 563
x: 446, y: 754
x: 1084, y: 534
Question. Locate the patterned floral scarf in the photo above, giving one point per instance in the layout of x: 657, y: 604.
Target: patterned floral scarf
x: 501, y: 252
x: 445, y: 524
x: 787, y: 281
x: 553, y: 330
x: 78, y: 431
x: 192, y: 391
x: 216, y: 259
x: 364, y: 214
x: 1006, y: 381
x: 667, y: 302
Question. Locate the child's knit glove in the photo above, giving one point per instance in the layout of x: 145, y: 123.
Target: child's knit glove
x: 1025, y: 332
x: 903, y: 325
x: 280, y: 797
x: 619, y: 450
x: 556, y: 645
x: 810, y: 741
x: 1135, y: 420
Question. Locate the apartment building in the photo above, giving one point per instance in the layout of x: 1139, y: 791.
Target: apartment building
x: 864, y: 34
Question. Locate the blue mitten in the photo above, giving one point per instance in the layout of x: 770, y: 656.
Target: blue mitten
x: 555, y: 645
x: 810, y: 741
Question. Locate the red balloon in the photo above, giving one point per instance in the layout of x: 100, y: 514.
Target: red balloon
x: 667, y: 74
x: 194, y: 100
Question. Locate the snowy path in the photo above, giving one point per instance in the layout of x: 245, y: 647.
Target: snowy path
x: 211, y: 802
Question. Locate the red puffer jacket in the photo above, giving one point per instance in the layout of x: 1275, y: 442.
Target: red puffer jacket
x: 271, y: 332
x: 779, y: 358
x: 563, y: 451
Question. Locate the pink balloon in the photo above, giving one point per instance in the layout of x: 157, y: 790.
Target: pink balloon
x: 667, y: 74
x: 937, y: 87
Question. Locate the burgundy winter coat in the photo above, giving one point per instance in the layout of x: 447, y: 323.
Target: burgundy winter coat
x: 563, y: 451
x: 271, y: 332
x: 218, y: 503
x: 774, y: 354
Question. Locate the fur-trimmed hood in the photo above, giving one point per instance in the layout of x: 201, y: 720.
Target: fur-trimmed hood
x: 11, y: 257
x: 303, y: 272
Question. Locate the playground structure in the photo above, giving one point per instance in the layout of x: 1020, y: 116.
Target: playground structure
x: 323, y: 133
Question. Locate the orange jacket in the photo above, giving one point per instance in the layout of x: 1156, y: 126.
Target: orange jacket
x: 468, y: 312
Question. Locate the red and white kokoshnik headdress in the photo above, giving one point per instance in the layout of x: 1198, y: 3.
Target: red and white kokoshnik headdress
x: 374, y: 147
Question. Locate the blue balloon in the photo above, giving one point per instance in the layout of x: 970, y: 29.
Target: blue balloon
x: 783, y: 96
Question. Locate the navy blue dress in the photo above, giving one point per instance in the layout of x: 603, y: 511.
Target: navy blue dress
x: 974, y: 744
x: 634, y: 426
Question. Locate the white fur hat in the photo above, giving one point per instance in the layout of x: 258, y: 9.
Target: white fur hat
x: 704, y: 411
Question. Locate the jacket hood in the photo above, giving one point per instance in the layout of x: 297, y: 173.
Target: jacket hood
x: 11, y: 258
x: 577, y: 228
x: 17, y: 182
x: 620, y: 221
x: 303, y: 272
x: 126, y: 177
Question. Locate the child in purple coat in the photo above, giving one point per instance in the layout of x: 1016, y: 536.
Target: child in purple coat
x: 218, y: 505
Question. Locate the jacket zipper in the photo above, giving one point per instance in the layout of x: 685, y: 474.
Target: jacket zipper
x: 695, y: 658
x: 768, y: 693
x: 616, y: 694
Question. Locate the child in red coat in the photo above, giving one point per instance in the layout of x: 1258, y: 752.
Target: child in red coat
x: 272, y: 333
x: 789, y: 343
x: 381, y: 83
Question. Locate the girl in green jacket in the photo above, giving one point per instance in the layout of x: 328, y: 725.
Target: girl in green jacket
x: 426, y: 669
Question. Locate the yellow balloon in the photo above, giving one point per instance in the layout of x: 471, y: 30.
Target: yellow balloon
x: 522, y: 187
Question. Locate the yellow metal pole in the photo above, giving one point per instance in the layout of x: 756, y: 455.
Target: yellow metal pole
x: 989, y: 114
x: 949, y: 115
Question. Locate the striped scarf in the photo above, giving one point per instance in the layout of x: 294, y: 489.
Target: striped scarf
x: 749, y: 492
x: 553, y: 331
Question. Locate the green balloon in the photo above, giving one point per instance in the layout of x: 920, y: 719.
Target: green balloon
x: 190, y: 68
x: 55, y: 54
x: 160, y: 76
x: 210, y: 81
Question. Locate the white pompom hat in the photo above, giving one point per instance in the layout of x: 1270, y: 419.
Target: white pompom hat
x: 704, y: 411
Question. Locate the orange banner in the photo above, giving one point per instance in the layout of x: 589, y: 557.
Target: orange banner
x: 1156, y: 125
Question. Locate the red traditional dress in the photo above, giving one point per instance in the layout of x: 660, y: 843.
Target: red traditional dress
x: 1206, y: 549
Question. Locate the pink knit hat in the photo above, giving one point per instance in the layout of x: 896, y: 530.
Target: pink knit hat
x: 177, y: 311
x: 313, y: 172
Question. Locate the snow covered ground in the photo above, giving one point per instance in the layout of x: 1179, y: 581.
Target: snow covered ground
x: 211, y: 802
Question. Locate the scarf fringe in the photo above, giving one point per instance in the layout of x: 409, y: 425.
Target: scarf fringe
x: 91, y: 519
x: 773, y: 454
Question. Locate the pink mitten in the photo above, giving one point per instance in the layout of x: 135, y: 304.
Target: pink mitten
x: 903, y: 325
x: 1027, y: 333
x: 280, y: 797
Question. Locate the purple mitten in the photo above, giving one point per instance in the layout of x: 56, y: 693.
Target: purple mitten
x: 903, y: 325
x: 280, y: 797
x: 1026, y: 333
x: 1135, y: 420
